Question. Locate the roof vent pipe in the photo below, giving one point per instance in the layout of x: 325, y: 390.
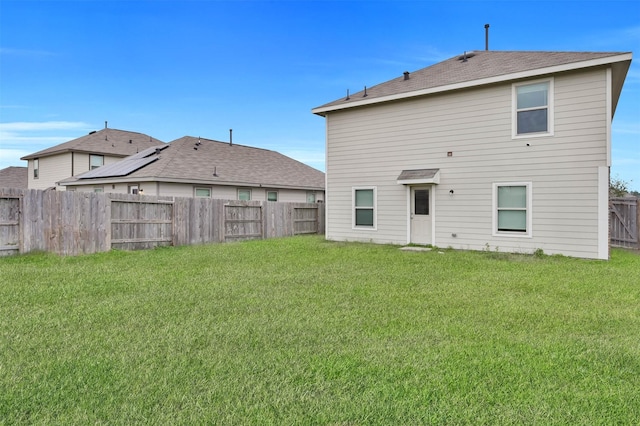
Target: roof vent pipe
x: 486, y: 36
x: 230, y: 137
x: 406, y: 75
x: 365, y: 92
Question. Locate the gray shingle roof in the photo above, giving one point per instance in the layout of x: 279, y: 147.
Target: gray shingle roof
x: 14, y: 177
x: 195, y: 160
x: 479, y: 65
x: 114, y: 142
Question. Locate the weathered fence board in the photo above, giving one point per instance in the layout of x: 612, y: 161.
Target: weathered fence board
x: 9, y: 225
x: 624, y: 230
x: 71, y: 223
x: 141, y: 223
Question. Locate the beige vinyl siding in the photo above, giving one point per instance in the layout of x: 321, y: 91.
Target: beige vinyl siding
x: 370, y: 146
x: 81, y: 162
x: 53, y: 169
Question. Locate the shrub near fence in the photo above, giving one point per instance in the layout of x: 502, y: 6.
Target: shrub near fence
x: 73, y: 223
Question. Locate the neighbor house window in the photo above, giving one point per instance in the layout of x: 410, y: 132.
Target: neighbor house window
x: 95, y: 161
x: 272, y: 195
x: 98, y: 189
x: 311, y: 197
x: 133, y: 189
x: 36, y: 168
x: 203, y: 192
x: 512, y: 209
x: 364, y: 205
x: 533, y: 108
x: 244, y: 194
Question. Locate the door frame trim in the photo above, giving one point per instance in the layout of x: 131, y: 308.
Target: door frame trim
x: 432, y: 210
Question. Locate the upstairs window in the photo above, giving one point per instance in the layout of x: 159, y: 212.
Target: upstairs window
x: 95, y: 161
x: 36, y: 168
x: 533, y: 109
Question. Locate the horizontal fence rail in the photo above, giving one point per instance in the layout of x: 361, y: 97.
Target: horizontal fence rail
x: 73, y: 223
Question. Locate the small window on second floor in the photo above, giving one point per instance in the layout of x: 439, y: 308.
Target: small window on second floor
x: 36, y: 168
x: 533, y: 108
x: 244, y: 194
x: 95, y: 161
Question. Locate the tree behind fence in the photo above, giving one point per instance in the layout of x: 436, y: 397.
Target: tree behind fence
x: 73, y: 223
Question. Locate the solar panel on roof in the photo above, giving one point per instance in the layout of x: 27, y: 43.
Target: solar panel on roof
x: 121, y: 168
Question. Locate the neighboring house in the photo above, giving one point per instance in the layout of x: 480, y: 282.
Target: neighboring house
x: 505, y: 151
x: 195, y: 167
x: 98, y: 148
x: 13, y: 177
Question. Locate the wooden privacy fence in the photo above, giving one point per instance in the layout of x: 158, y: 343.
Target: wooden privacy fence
x: 73, y: 223
x: 624, y: 217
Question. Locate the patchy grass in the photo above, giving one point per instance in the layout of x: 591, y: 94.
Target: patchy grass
x: 304, y: 331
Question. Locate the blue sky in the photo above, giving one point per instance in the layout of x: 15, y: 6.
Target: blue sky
x: 199, y: 68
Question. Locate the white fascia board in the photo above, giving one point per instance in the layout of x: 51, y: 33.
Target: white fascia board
x: 481, y: 82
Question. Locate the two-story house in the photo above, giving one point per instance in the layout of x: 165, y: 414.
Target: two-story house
x: 499, y: 150
x: 48, y: 167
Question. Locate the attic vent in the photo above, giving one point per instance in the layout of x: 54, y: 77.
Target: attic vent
x: 92, y: 132
x: 465, y: 56
x: 406, y: 75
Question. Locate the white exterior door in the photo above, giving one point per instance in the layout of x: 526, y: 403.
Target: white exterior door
x: 420, y: 215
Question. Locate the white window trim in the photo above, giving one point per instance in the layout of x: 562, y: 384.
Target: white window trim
x: 550, y: 109
x: 375, y: 209
x: 196, y: 188
x: 529, y: 190
x: 96, y: 156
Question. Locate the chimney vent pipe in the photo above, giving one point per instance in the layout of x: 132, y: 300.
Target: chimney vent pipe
x: 486, y: 36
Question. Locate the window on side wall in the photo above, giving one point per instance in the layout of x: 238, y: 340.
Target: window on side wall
x: 244, y: 194
x: 512, y: 209
x: 36, y: 168
x: 364, y: 208
x: 95, y: 161
x: 272, y: 195
x: 133, y: 189
x: 311, y: 197
x: 99, y: 189
x: 533, y: 109
x: 202, y: 192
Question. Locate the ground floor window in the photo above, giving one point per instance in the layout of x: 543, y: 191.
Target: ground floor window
x: 364, y: 206
x: 202, y: 192
x: 98, y: 189
x: 311, y: 197
x: 512, y: 208
x: 134, y: 189
x: 244, y: 194
x: 272, y: 195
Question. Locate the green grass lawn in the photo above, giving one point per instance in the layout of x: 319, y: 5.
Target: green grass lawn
x: 304, y: 331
